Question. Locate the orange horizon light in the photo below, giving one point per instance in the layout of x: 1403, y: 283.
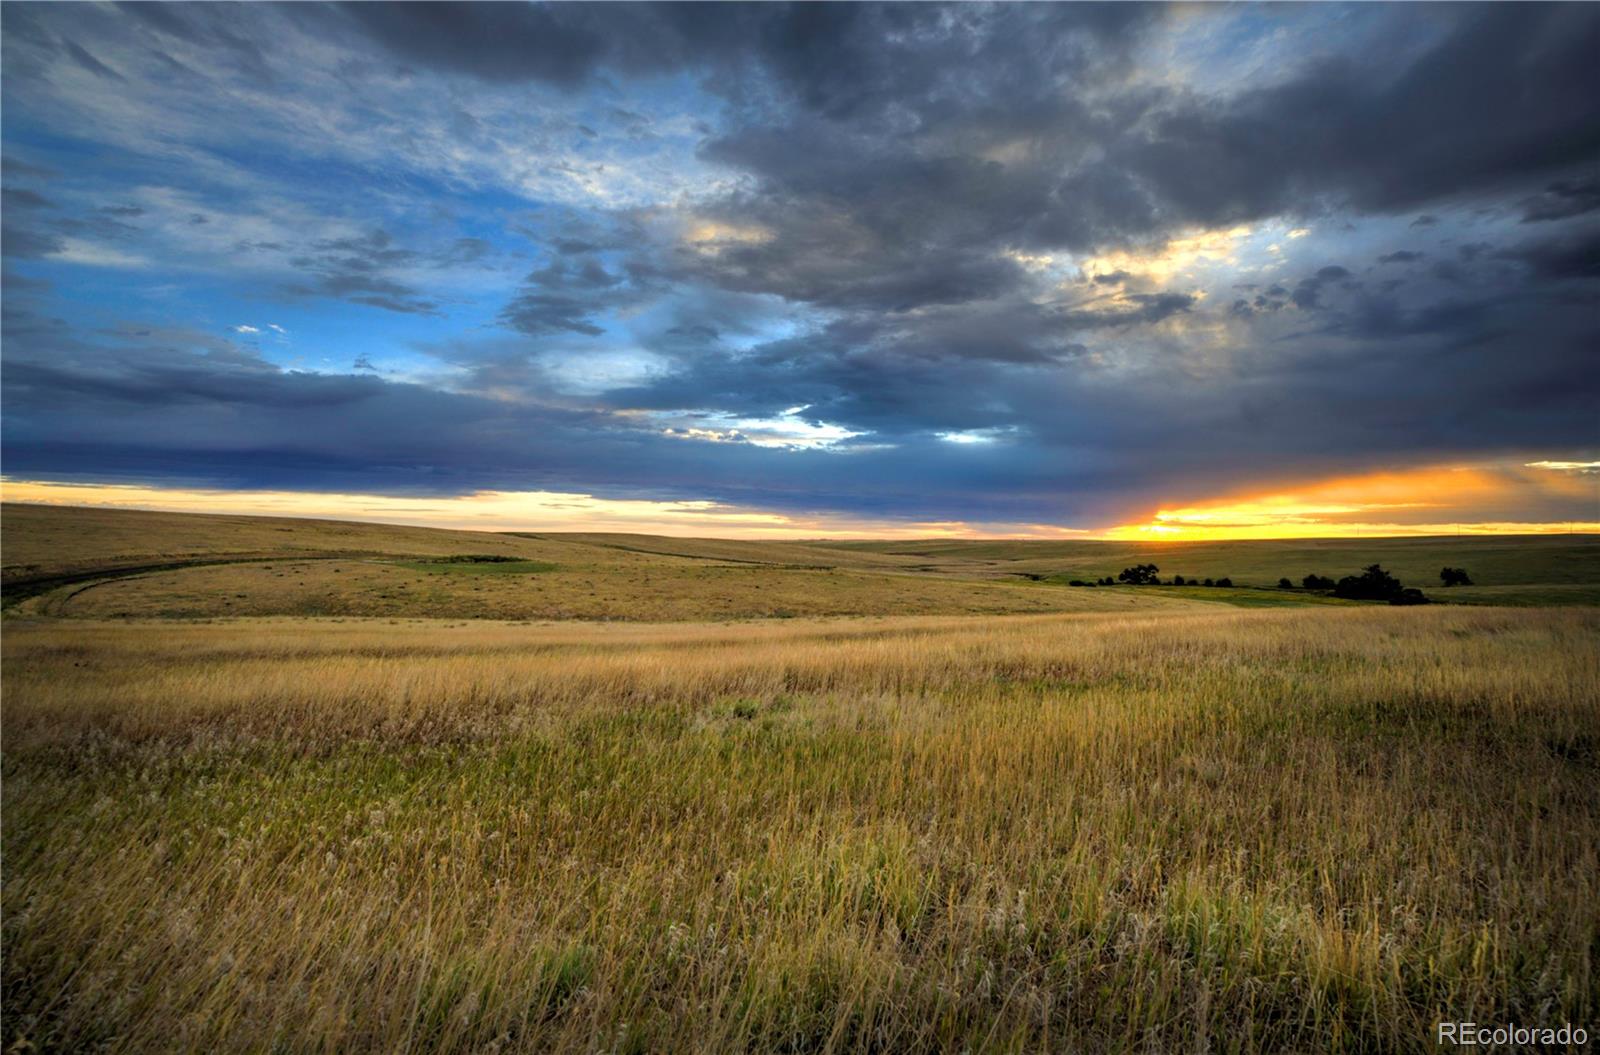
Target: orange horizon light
x: 1436, y: 500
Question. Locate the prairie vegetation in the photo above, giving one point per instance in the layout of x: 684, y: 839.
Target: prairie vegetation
x: 1319, y: 829
x: 98, y: 563
x: 985, y: 813
x: 42, y: 539
x: 1493, y: 560
x: 627, y: 589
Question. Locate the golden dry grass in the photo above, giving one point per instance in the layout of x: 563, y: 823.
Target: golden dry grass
x: 1304, y: 830
x: 97, y: 563
x: 42, y: 539
x: 1493, y: 560
x: 815, y: 554
x: 630, y: 587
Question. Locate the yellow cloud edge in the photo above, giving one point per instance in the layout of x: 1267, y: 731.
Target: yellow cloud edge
x: 1448, y: 500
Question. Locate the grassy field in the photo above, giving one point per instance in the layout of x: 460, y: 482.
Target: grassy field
x: 279, y: 804
x: 100, y: 564
x: 627, y: 588
x: 1280, y: 830
x: 1492, y: 560
x: 129, y: 564
x: 43, y: 540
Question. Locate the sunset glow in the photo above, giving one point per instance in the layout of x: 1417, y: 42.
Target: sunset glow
x: 1461, y: 500
x: 515, y: 511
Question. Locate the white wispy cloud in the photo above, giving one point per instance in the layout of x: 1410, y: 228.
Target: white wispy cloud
x: 94, y: 254
x: 1566, y: 467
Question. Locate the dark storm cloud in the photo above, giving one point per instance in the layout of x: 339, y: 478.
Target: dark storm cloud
x: 565, y: 295
x: 824, y: 256
x: 1570, y: 256
x: 1562, y: 199
x: 832, y: 57
x: 1143, y: 309
x: 880, y: 166
x: 880, y: 123
x: 176, y: 385
x: 879, y: 190
x: 1384, y: 318
x: 865, y: 124
x: 1308, y: 292
x: 1385, y: 143
x: 493, y: 42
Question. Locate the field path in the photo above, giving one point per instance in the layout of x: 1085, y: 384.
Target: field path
x: 39, y: 588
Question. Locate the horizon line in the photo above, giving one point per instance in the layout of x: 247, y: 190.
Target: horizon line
x: 1590, y: 531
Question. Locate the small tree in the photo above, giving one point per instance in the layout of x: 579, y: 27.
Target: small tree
x: 1455, y: 577
x: 1208, y: 582
x: 1285, y: 584
x: 1177, y: 580
x: 1317, y: 582
x: 1224, y: 581
x: 1140, y: 575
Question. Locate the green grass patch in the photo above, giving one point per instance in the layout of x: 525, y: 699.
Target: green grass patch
x: 1239, y: 596
x: 1491, y: 560
x: 1534, y: 596
x: 1251, y: 597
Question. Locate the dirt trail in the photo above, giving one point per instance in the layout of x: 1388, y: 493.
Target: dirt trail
x: 14, y: 592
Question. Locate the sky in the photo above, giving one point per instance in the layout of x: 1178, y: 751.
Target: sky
x: 846, y: 269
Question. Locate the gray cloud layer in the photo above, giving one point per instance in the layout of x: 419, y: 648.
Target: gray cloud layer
x: 895, y: 173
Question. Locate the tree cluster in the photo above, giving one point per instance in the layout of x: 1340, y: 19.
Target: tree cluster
x: 1147, y: 575
x: 1140, y: 575
x: 1375, y: 584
